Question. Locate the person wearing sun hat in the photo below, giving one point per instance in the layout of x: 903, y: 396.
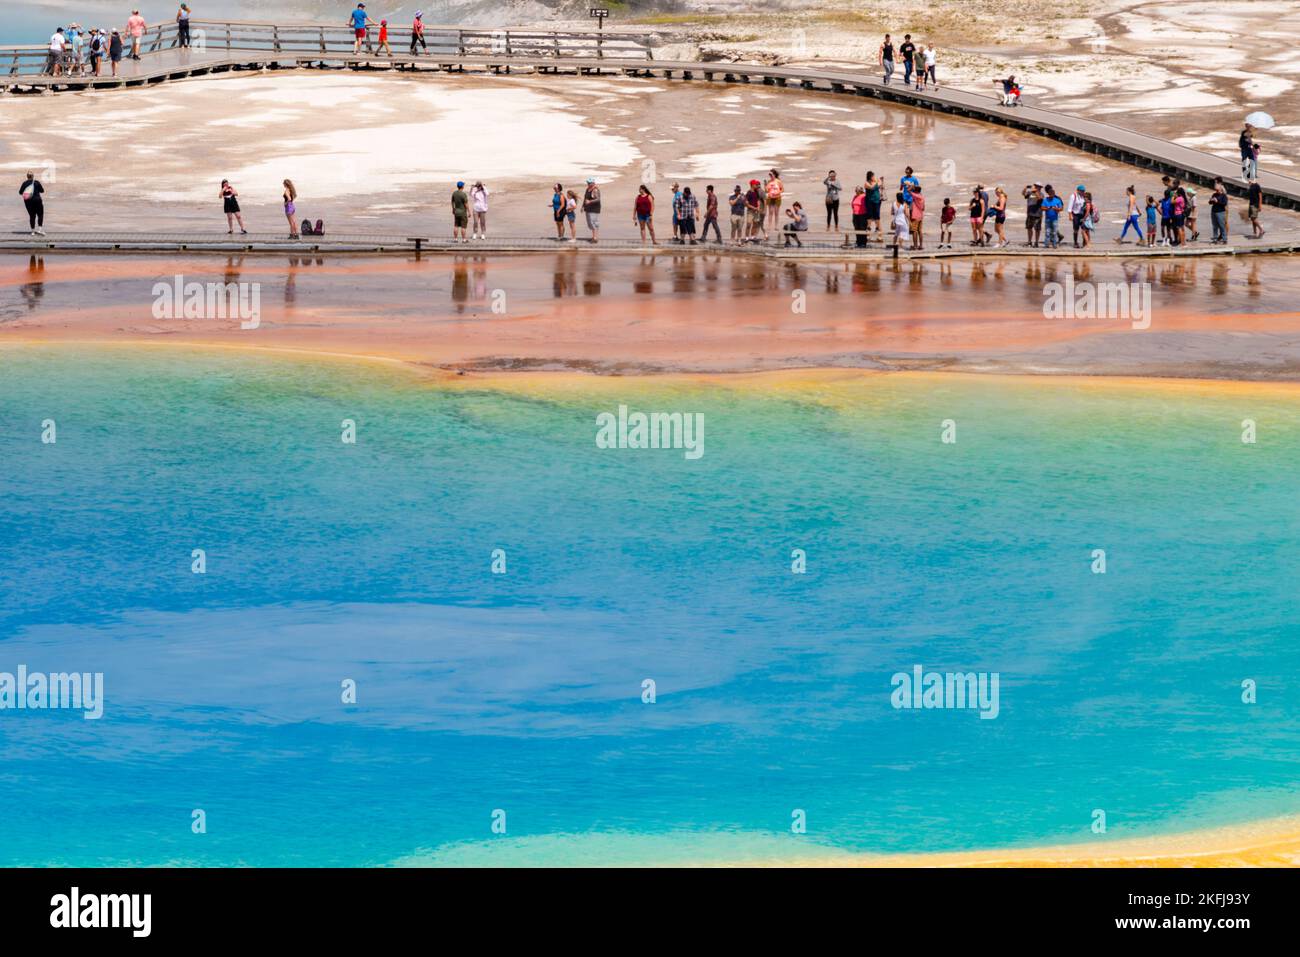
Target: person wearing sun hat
x: 417, y: 33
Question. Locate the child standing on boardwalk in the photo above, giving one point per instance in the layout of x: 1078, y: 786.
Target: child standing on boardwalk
x: 383, y: 46
x: 1151, y: 220
x: 946, y: 218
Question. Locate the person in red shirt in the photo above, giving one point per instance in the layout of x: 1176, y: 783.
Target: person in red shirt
x: 710, y: 215
x: 947, y: 216
x: 417, y: 33
x: 383, y: 39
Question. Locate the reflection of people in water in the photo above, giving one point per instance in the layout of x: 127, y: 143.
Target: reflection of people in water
x: 33, y: 290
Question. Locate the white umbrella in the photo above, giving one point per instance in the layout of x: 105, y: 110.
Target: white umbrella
x: 1261, y: 121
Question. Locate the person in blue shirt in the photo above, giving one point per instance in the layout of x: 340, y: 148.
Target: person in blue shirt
x: 358, y: 19
x: 906, y: 183
x: 1052, y: 207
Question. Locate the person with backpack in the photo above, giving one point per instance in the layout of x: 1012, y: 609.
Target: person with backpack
x: 98, y: 50
x: 32, y: 192
x: 754, y: 211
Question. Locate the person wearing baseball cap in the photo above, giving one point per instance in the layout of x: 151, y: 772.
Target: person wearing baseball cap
x: 358, y: 21
x: 754, y: 212
x: 1078, y: 203
x: 460, y: 213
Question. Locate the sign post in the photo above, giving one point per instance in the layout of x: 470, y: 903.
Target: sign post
x: 599, y: 14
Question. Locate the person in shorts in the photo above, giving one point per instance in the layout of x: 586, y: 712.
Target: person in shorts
x: 460, y: 213
x: 1254, y: 201
x: 358, y: 21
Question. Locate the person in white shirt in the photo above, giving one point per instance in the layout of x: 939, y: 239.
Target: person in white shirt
x: 1078, y: 203
x: 478, y: 201
x: 54, y: 59
x: 929, y: 63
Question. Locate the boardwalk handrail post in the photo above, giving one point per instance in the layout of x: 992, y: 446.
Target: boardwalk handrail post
x: 322, y: 39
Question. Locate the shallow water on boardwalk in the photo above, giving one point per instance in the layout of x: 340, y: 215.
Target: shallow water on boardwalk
x: 522, y: 691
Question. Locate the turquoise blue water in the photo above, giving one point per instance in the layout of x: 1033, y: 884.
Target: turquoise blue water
x: 522, y: 691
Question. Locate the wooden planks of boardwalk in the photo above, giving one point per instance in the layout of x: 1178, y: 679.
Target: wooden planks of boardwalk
x: 816, y: 246
x: 267, y: 46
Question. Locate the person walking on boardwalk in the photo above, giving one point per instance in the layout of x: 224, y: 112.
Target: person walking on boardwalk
x: 775, y: 190
x: 591, y: 208
x: 1052, y: 208
x: 290, y: 208
x: 930, y: 59
x: 887, y: 59
x: 710, y: 216
x: 1088, y: 220
x: 833, y: 189
x: 918, y: 63
x: 417, y: 33
x: 183, y: 25
x: 459, y: 213
x: 736, y: 201
x: 115, y: 51
x: 558, y: 210
x: 230, y: 205
x: 1075, y: 210
x: 675, y: 201
x: 1254, y: 203
x: 478, y: 208
x: 1131, y: 219
x: 135, y: 26
x: 32, y: 192
x: 1218, y: 213
x: 382, y: 47
x: 907, y: 50
x: 358, y: 19
x: 643, y: 213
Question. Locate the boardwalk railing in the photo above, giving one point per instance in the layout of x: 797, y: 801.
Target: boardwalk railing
x: 303, y: 41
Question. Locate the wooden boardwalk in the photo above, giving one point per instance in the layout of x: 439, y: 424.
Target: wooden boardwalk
x: 817, y: 246
x: 630, y: 55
